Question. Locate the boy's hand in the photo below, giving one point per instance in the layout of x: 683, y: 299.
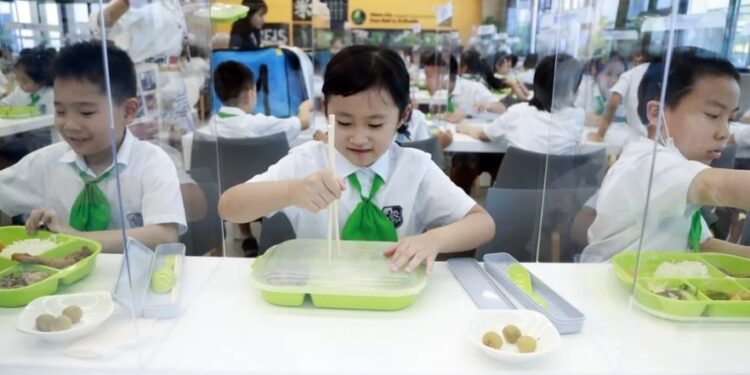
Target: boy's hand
x: 41, y: 218
x: 304, y: 113
x: 413, y: 251
x: 445, y: 138
x: 595, y: 137
x: 456, y: 116
x: 317, y: 191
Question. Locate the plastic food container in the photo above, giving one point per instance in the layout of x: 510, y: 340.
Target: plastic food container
x: 357, y: 276
x: 563, y: 315
x: 13, y: 297
x: 720, y: 297
x: 11, y: 112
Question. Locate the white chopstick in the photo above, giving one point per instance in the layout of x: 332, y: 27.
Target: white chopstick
x: 333, y: 209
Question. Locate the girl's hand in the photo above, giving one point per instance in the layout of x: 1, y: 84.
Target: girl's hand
x: 320, y: 136
x: 317, y: 191
x: 413, y: 251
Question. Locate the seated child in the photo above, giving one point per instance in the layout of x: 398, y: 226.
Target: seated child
x: 602, y: 74
x: 386, y: 192
x: 548, y: 124
x: 702, y: 95
x: 465, y: 97
x: 235, y: 86
x: 33, y: 89
x: 71, y: 187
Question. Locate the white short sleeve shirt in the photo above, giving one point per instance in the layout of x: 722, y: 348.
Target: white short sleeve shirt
x: 467, y: 93
x: 417, y: 128
x: 627, y: 87
x: 526, y: 127
x: 622, y: 199
x: 415, y: 194
x: 232, y: 122
x: 49, y: 177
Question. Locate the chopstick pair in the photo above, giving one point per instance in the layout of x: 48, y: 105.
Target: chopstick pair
x: 333, y: 209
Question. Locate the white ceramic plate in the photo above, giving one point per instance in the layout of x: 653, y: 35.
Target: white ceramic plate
x: 96, y: 306
x: 531, y: 323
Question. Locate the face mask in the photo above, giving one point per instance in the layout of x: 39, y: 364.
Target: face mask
x: 667, y: 141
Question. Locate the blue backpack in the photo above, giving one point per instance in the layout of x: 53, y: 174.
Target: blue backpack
x: 280, y: 84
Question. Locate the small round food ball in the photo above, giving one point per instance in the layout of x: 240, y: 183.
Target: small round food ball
x: 61, y: 323
x: 492, y: 339
x: 511, y: 333
x: 526, y: 344
x: 44, y: 321
x: 163, y: 281
x: 74, y: 313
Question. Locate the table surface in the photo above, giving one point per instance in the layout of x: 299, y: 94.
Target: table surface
x: 15, y: 126
x: 226, y: 327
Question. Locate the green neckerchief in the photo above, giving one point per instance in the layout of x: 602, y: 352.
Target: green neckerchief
x: 91, y: 209
x: 694, y: 236
x: 34, y: 98
x: 451, y: 107
x: 367, y: 222
x: 599, y: 105
x: 225, y: 115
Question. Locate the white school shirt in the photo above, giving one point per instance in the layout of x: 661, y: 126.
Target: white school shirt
x: 239, y: 124
x: 467, y: 93
x: 18, y: 97
x: 627, y: 87
x: 526, y: 127
x: 622, y: 198
x: 154, y: 30
x: 417, y: 128
x: 49, y: 177
x: 527, y: 77
x: 415, y: 193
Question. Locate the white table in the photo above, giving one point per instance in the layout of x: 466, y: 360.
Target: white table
x: 226, y: 327
x: 15, y: 126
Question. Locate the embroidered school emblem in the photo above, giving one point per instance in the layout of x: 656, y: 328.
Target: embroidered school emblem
x: 394, y: 214
x: 135, y: 220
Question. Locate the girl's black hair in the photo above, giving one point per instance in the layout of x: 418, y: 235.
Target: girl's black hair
x: 37, y: 64
x: 361, y: 67
x: 242, y: 30
x: 472, y: 60
x: 687, y: 66
x: 491, y: 65
x: 550, y: 92
x: 530, y: 61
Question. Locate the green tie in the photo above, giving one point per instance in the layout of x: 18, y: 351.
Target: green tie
x: 225, y: 115
x: 367, y: 222
x: 34, y: 99
x: 90, y: 210
x: 694, y: 236
x: 451, y: 107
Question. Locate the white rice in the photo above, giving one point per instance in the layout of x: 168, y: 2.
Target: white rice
x: 684, y: 269
x: 33, y: 246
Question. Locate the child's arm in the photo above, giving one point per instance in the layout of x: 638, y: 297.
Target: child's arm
x: 721, y: 188
x: 606, y: 119
x: 111, y: 240
x: 494, y: 107
x: 114, y: 11
x: 245, y: 203
x: 456, y: 116
x: 303, y: 112
x: 475, y: 229
x: 472, y: 131
x: 720, y: 246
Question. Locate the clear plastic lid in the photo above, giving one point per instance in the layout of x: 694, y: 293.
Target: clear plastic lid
x: 355, y: 268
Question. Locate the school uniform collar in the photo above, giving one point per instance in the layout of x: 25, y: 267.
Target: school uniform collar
x: 458, y: 86
x: 123, y: 155
x: 381, y: 166
x: 228, y: 111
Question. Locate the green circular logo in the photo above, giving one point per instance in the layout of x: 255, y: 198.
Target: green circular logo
x: 359, y: 16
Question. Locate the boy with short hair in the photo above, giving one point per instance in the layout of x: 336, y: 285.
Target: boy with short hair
x: 71, y: 187
x: 235, y: 86
x: 702, y: 95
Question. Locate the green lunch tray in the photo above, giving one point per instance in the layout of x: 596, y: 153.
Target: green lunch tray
x: 13, y: 297
x: 357, y: 276
x: 11, y: 112
x: 223, y: 13
x: 722, y: 296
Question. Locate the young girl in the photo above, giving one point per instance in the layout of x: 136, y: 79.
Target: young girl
x: 386, y: 192
x: 245, y: 32
x: 501, y: 77
x: 33, y: 88
x: 593, y: 92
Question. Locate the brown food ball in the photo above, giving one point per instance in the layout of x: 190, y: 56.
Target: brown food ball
x: 61, y: 323
x: 511, y: 333
x: 493, y: 340
x: 44, y: 321
x: 526, y: 344
x: 74, y: 313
